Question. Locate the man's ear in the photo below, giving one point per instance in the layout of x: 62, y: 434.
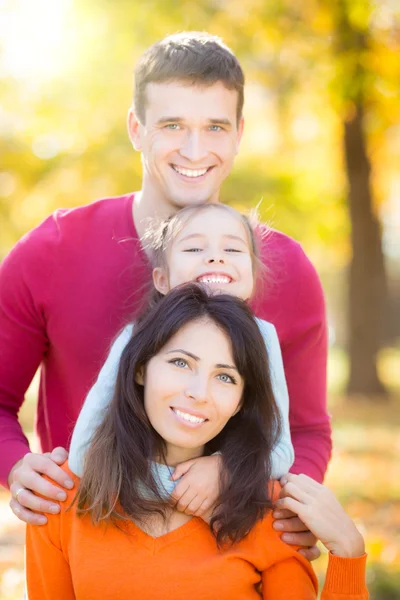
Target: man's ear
x: 160, y: 280
x: 134, y: 130
x: 139, y: 377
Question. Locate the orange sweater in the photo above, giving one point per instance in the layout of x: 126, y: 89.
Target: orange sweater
x: 71, y: 559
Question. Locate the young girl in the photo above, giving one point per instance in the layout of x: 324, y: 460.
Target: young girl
x: 215, y: 245
x: 192, y: 380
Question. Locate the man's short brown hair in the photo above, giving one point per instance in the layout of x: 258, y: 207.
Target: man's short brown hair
x: 190, y: 56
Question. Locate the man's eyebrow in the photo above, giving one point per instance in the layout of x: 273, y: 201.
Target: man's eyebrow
x: 169, y: 120
x: 221, y: 121
x: 184, y: 352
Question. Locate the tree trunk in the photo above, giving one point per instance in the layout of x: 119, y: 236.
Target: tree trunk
x: 367, y: 280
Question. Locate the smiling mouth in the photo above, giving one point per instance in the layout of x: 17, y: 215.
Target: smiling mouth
x: 192, y: 173
x: 215, y: 278
x: 188, y: 417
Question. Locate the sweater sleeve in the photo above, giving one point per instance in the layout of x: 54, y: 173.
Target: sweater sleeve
x: 96, y: 403
x: 293, y: 578
x: 48, y: 573
x: 305, y: 360
x: 283, y: 453
x: 24, y: 274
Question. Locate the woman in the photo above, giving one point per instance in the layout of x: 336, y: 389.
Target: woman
x: 192, y: 381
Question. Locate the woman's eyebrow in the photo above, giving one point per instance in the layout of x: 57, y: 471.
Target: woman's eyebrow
x: 184, y: 352
x: 222, y: 366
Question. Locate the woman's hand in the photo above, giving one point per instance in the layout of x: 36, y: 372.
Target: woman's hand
x: 322, y: 513
x: 198, y: 488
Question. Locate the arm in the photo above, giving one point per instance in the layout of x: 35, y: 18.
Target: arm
x: 97, y: 400
x: 24, y: 278
x: 283, y: 453
x: 48, y: 575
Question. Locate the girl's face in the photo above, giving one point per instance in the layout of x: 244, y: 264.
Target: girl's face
x: 211, y: 248
x: 191, y: 389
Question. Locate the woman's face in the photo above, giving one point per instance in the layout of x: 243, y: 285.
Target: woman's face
x: 191, y: 389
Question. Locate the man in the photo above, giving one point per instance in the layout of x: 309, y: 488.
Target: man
x: 70, y: 284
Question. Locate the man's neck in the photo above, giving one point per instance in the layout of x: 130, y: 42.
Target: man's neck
x: 149, y: 208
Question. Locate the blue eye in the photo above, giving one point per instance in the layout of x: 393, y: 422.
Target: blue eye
x: 179, y: 362
x: 215, y: 128
x: 225, y: 378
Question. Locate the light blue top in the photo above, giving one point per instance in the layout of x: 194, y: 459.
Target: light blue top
x: 102, y: 391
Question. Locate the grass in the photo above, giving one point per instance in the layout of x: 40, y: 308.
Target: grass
x: 364, y: 473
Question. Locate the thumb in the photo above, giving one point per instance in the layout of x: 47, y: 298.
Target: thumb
x: 59, y: 455
x: 182, y: 469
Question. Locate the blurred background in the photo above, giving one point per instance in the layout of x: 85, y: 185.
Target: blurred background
x: 320, y: 157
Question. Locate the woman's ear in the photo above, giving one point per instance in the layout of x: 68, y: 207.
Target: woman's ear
x: 160, y: 280
x: 139, y: 377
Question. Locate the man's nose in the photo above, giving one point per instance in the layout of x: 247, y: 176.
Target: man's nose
x: 193, y: 147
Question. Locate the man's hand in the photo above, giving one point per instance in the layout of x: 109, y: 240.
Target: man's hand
x: 26, y: 477
x: 294, y: 531
x: 198, y: 488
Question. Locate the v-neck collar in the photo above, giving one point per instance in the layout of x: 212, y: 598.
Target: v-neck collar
x: 156, y: 544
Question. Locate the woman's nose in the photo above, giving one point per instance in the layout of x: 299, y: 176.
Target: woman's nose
x: 198, y: 390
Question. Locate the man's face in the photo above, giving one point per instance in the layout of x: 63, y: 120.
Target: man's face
x: 188, y: 141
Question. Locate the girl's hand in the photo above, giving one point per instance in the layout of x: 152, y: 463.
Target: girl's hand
x: 318, y: 508
x: 198, y: 488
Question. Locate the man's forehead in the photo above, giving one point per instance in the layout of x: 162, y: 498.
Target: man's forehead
x: 176, y: 100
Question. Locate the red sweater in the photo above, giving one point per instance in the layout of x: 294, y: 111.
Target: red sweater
x: 68, y: 287
x: 71, y: 559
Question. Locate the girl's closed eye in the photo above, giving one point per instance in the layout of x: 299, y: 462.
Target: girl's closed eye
x: 193, y: 250
x: 232, y: 250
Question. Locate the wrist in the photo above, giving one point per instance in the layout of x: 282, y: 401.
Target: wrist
x: 353, y: 547
x: 10, y: 478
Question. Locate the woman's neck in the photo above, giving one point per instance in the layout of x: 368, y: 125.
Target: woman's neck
x: 174, y: 455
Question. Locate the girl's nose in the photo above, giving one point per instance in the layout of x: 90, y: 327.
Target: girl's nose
x: 215, y: 259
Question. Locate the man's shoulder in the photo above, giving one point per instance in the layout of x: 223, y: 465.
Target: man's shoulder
x: 75, y: 225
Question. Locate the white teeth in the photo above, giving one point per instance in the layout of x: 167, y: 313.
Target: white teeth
x: 214, y: 279
x: 187, y: 417
x: 190, y: 172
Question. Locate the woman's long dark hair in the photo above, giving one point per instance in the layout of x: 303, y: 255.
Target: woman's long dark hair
x: 118, y: 462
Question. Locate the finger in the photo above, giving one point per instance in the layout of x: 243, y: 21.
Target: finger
x: 180, y: 489
x: 185, y: 499
x: 296, y: 492
x: 25, y: 515
x: 59, y: 455
x: 182, y: 469
x: 38, y: 484
x: 291, y: 504
x: 310, y: 553
x: 205, y: 508
x: 283, y: 513
x: 304, y: 539
x: 193, y: 506
x: 45, y: 466
x: 304, y: 481
x: 290, y: 525
x: 28, y: 500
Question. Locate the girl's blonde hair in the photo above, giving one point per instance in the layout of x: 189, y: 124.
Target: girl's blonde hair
x: 159, y: 238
